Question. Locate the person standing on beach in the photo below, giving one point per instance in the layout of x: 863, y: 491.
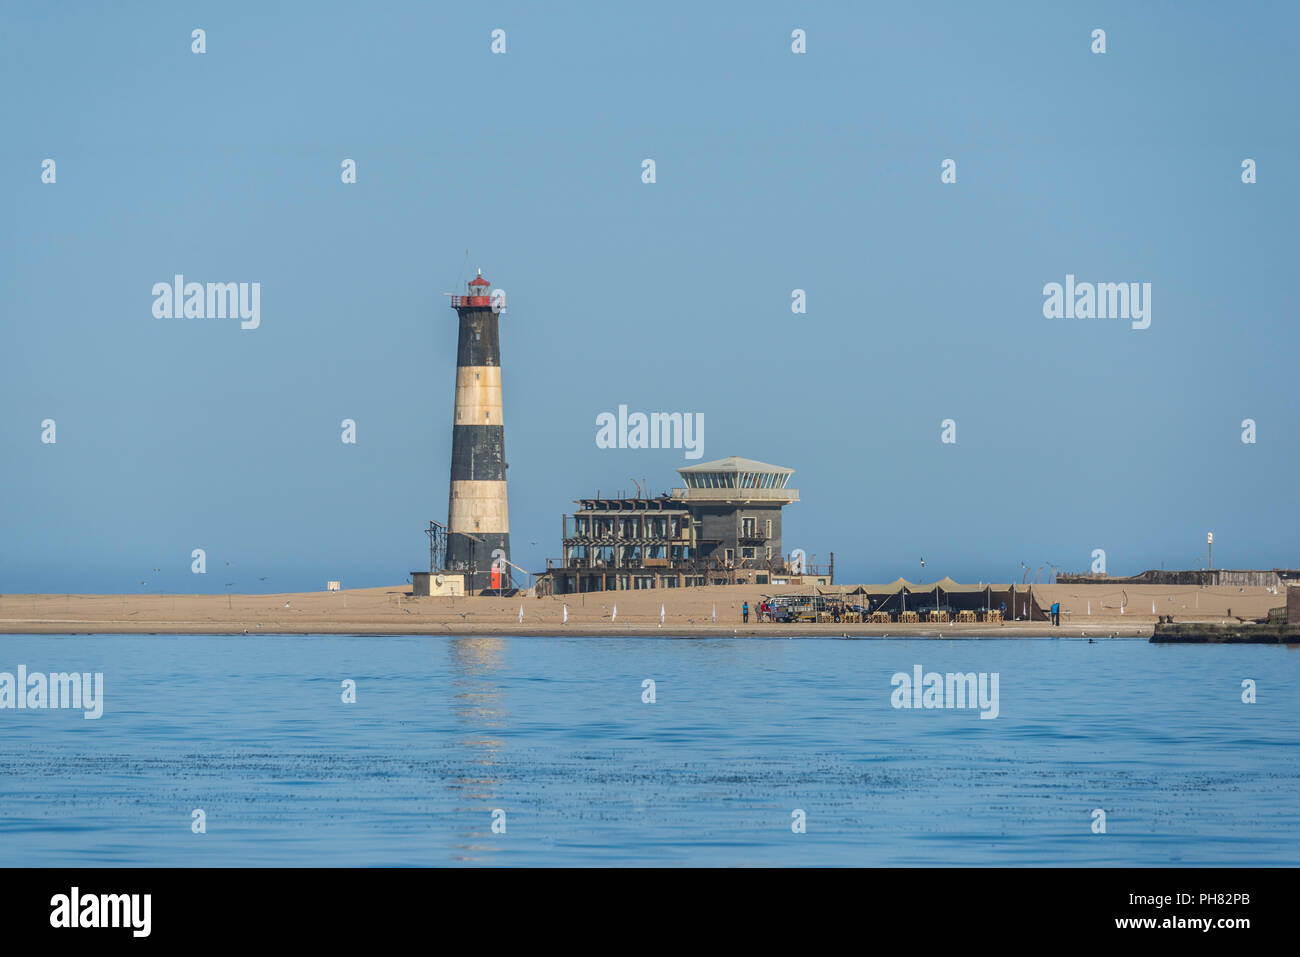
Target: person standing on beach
x: 1056, y: 614
x: 744, y: 612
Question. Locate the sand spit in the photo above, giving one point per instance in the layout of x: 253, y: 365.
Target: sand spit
x: 1091, y: 611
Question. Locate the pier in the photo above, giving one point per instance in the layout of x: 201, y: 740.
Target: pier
x: 1229, y: 633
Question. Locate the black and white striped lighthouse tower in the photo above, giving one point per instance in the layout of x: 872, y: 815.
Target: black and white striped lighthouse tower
x: 478, y: 524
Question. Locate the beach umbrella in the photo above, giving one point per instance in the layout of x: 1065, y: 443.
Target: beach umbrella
x: 566, y: 613
x: 614, y: 614
x: 715, y: 613
x: 521, y: 614
x: 661, y: 614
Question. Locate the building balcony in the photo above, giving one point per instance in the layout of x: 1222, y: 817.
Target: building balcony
x: 773, y: 496
x: 600, y: 541
x: 603, y: 565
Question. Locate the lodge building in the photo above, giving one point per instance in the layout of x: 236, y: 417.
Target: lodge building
x: 723, y: 527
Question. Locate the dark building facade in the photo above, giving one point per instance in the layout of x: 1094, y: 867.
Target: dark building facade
x: 722, y: 527
x: 478, y: 523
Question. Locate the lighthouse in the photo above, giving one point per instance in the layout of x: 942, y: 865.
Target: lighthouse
x: 478, y: 525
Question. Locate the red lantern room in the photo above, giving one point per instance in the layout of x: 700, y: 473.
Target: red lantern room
x: 478, y: 294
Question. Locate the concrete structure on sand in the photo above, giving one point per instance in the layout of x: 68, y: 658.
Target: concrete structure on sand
x: 722, y: 528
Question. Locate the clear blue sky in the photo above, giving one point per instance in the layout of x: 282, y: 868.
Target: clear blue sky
x: 775, y: 171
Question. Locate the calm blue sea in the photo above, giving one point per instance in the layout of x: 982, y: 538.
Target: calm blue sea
x: 743, y: 732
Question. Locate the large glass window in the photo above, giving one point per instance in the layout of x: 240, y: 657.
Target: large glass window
x: 737, y: 479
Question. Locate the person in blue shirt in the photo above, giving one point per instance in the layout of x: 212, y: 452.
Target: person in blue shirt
x: 1056, y: 614
x: 744, y: 612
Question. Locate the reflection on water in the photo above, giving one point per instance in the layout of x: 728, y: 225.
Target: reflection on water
x: 479, y: 705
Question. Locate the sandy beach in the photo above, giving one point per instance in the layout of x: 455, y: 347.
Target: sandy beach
x: 1087, y: 611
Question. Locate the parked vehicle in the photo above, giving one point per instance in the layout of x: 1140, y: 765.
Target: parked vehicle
x: 796, y: 607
